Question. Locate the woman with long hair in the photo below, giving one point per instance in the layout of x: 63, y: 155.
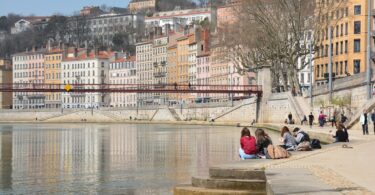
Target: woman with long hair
x: 263, y: 141
x: 248, y: 148
x: 287, y: 139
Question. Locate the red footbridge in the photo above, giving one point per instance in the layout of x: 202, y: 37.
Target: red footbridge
x: 132, y: 88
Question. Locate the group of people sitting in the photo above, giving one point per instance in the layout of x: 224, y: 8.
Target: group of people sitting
x: 298, y: 140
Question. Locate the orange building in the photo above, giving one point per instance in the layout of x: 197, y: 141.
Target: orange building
x: 349, y: 39
x: 52, y: 75
x: 140, y: 5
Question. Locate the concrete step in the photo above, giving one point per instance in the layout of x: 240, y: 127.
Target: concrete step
x: 230, y: 173
x: 190, y: 190
x: 229, y: 184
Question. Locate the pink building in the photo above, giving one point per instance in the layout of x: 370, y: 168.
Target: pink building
x: 236, y: 79
x: 203, y: 73
x: 122, y: 71
x: 28, y: 70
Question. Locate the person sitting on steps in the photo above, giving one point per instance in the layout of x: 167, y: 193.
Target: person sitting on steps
x: 262, y: 142
x: 248, y: 148
x: 300, y: 135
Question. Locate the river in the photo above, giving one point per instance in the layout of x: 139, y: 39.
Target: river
x: 109, y: 158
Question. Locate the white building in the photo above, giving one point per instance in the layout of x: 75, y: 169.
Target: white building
x: 28, y: 23
x: 178, y: 18
x: 304, y: 75
x: 145, y: 71
x: 122, y: 71
x: 28, y: 71
x: 159, y: 61
x: 89, y: 68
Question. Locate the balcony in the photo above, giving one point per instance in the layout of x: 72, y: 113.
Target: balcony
x: 160, y: 74
x: 35, y: 96
x: 155, y: 64
x: 163, y: 63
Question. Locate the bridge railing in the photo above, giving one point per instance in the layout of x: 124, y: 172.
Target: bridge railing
x: 131, y: 88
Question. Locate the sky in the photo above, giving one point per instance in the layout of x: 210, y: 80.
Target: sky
x: 50, y: 7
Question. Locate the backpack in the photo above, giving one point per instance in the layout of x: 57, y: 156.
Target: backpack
x: 304, y: 146
x: 277, y: 152
x: 305, y: 137
x: 315, y: 144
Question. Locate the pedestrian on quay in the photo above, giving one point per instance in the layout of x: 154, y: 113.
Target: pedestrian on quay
x: 333, y: 119
x: 248, y: 148
x: 373, y: 119
x: 364, y: 120
x: 304, y: 120
x: 311, y: 119
x: 290, y: 118
x: 343, y: 118
x: 321, y: 119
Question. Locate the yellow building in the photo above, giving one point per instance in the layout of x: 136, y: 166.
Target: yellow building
x: 6, y: 77
x: 348, y: 21
x: 52, y: 75
x: 172, y: 71
x: 183, y: 64
x: 139, y: 5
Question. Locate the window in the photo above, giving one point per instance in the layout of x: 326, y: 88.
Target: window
x: 357, y: 27
x: 357, y: 10
x: 302, y: 78
x: 346, y: 28
x: 357, y: 45
x: 337, y: 68
x: 341, y: 68
x: 346, y: 46
x: 337, y: 48
x: 357, y: 66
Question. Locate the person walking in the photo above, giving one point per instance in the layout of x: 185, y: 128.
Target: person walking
x: 333, y: 120
x: 304, y: 120
x: 373, y: 119
x: 311, y: 119
x: 321, y: 119
x: 364, y: 119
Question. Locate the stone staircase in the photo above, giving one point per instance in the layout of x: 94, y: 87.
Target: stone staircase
x: 174, y: 114
x: 296, y: 107
x: 66, y: 112
x: 304, y: 105
x: 227, y: 111
x: 226, y: 181
x: 110, y: 115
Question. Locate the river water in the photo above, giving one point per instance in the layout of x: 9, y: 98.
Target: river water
x: 109, y: 159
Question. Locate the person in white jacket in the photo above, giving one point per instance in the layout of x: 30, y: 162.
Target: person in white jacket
x: 364, y: 120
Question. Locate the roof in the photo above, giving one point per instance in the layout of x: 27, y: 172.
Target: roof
x: 129, y: 59
x: 91, y: 56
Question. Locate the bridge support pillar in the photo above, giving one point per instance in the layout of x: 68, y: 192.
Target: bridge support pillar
x: 263, y: 79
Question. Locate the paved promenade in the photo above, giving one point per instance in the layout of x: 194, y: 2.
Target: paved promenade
x: 348, y: 170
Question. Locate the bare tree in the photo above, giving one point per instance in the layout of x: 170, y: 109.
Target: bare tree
x: 275, y: 33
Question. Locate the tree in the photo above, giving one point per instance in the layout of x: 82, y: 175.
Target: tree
x: 121, y: 42
x: 275, y: 33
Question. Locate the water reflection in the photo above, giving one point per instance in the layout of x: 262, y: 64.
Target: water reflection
x: 109, y: 159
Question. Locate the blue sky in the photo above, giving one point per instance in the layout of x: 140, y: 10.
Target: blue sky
x: 49, y: 7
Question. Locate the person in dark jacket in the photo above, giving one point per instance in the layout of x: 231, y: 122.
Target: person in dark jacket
x: 263, y: 141
x: 300, y: 135
x: 311, y: 119
x: 340, y: 135
x: 373, y: 119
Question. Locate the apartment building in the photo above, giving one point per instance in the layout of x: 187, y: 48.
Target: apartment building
x: 52, y: 76
x: 348, y: 22
x: 145, y: 71
x: 85, y: 67
x: 123, y: 72
x: 177, y: 19
x: 159, y: 61
x: 203, y: 74
x: 6, y: 77
x: 28, y: 71
x: 136, y: 6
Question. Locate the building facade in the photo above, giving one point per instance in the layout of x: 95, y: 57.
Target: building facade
x: 28, y: 71
x: 136, y: 6
x: 159, y: 62
x: 86, y: 67
x: 52, y: 75
x: 145, y: 71
x: 123, y: 71
x: 349, y: 39
x: 203, y: 75
x: 6, y: 77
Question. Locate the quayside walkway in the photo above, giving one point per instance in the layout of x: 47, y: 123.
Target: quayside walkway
x: 331, y: 170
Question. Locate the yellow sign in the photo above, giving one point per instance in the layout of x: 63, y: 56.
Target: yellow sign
x: 68, y: 87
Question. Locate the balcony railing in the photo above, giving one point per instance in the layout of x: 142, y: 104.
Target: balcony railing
x: 160, y: 74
